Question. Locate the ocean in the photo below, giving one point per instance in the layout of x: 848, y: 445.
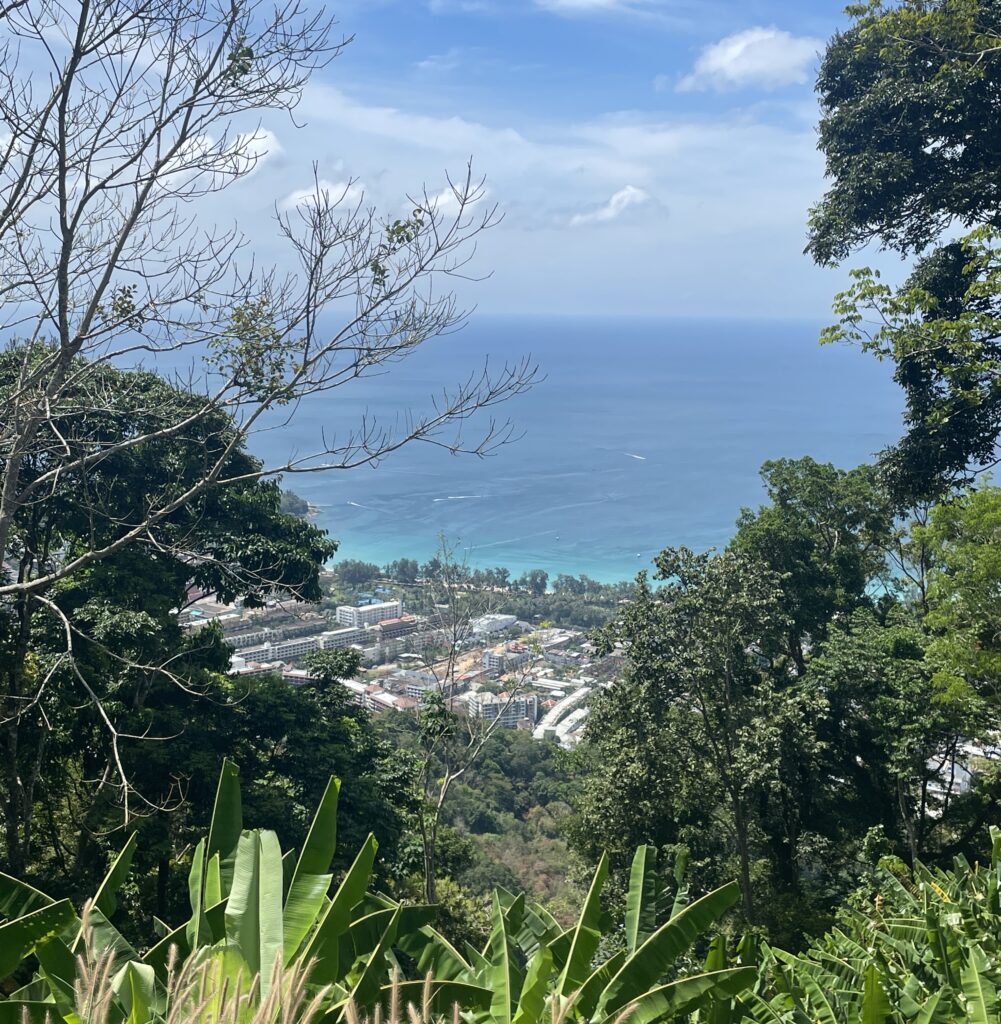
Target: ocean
x: 642, y: 434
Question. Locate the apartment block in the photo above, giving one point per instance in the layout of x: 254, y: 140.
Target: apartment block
x: 393, y: 629
x: 505, y: 658
x: 510, y: 711
x: 363, y: 615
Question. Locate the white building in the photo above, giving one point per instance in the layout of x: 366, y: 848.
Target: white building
x: 334, y: 638
x: 244, y: 668
x: 357, y: 691
x: 414, y: 684
x: 363, y: 615
x: 492, y: 623
x: 241, y: 640
x: 570, y: 730
x: 547, y: 728
x: 283, y: 650
x: 504, y: 658
x: 300, y: 646
x: 509, y: 710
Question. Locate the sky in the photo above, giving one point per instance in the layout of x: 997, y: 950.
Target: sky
x: 648, y: 156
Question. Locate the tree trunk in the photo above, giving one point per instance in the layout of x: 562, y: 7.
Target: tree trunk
x: 908, y: 821
x: 12, y: 802
x: 743, y: 850
x: 430, y: 862
x: 162, y: 887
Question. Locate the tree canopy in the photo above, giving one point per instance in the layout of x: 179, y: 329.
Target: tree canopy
x: 910, y: 128
x: 100, y: 651
x: 910, y: 125
x: 790, y: 702
x: 825, y: 532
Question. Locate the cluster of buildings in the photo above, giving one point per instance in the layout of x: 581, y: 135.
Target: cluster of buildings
x: 405, y: 690
x: 379, y: 631
x: 565, y: 717
x: 533, y: 683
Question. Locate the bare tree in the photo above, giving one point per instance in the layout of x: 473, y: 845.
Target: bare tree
x: 452, y: 739
x: 120, y: 120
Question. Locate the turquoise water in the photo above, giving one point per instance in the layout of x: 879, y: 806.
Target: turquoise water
x: 644, y: 433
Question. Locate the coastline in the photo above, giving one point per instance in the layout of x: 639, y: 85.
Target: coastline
x: 519, y: 561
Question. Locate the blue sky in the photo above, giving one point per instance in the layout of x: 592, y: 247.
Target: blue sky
x: 650, y: 156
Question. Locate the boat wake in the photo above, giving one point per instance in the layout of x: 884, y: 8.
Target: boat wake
x: 510, y: 540
x: 369, y: 508
x: 458, y: 497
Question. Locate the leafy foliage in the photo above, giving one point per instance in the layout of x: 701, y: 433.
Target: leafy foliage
x: 825, y: 532
x: 923, y: 948
x: 706, y: 726
x: 800, y: 694
x: 254, y: 913
x: 910, y: 124
x: 263, y: 923
x: 909, y: 128
x: 942, y: 331
x: 99, y: 655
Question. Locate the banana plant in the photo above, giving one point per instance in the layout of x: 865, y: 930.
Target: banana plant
x: 532, y: 971
x: 255, y: 913
x: 928, y: 951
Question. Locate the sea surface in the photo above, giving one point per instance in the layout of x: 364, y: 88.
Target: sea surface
x: 643, y: 433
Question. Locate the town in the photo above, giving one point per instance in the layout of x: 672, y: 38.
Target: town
x: 493, y: 668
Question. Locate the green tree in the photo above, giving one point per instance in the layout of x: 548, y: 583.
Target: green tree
x: 288, y: 738
x: 100, y: 651
x: 703, y: 740
x: 327, y: 669
x: 942, y: 331
x: 295, y: 505
x: 352, y: 572
x: 910, y: 122
x: 891, y: 734
x: 909, y: 125
x: 964, y: 538
x: 825, y: 533
x: 403, y: 570
x: 565, y: 585
x: 534, y: 581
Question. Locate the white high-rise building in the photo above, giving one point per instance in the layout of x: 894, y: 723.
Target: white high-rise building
x: 363, y: 615
x: 510, y: 710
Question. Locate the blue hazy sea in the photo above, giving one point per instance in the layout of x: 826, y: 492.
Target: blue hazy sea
x: 644, y: 433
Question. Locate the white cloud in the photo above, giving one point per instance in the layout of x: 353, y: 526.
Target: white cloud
x: 737, y: 185
x: 450, y: 141
x: 447, y: 201
x: 617, y: 204
x: 204, y: 162
x: 460, y: 6
x: 764, y: 57
x: 347, y: 193
x: 592, y: 6
x: 258, y: 146
x: 438, y: 62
